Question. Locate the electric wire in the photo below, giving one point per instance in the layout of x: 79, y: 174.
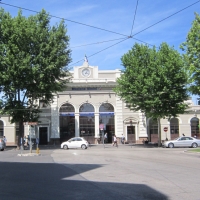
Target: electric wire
x: 166, y: 18
x: 97, y: 42
x: 99, y: 51
x: 106, y: 29
x: 144, y: 29
x: 111, y: 41
x: 134, y: 17
x: 144, y: 42
x: 65, y: 19
x: 78, y: 23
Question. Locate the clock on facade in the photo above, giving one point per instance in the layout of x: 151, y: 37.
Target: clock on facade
x: 86, y: 72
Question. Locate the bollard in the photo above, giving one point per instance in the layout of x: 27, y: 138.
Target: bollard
x: 37, y: 150
x: 21, y: 148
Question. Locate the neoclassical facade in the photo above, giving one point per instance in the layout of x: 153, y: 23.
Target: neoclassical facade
x: 89, y: 107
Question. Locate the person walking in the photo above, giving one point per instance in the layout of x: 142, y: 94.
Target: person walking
x: 5, y: 140
x: 115, y: 141
x: 105, y: 138
x: 123, y: 139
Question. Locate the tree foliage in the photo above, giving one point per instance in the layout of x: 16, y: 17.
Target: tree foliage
x: 33, y: 56
x: 192, y: 56
x: 154, y: 81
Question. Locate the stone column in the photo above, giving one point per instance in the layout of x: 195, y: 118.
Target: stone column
x: 96, y: 115
x: 119, y: 118
x: 55, y: 123
x: 77, y: 125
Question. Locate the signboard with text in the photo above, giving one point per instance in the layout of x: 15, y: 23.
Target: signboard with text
x: 30, y: 123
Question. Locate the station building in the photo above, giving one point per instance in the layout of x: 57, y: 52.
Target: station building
x: 90, y: 108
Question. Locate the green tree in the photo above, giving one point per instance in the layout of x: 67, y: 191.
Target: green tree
x: 192, y: 56
x: 154, y: 82
x: 33, y: 60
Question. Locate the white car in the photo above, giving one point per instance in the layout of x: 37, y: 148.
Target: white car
x: 2, y: 145
x: 76, y: 142
x: 182, y: 142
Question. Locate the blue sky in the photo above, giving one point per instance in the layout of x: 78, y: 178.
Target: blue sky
x: 114, y: 16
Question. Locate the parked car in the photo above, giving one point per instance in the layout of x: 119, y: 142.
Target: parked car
x: 182, y: 142
x: 76, y: 142
x: 2, y: 144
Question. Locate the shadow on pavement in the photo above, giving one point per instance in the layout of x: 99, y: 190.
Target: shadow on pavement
x: 22, y: 180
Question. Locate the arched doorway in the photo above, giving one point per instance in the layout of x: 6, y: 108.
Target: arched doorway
x: 67, y: 122
x: 106, y: 117
x: 194, y: 122
x: 153, y: 130
x: 87, y: 123
x: 1, y: 129
x: 174, y: 128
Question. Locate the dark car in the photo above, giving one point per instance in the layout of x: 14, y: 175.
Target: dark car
x: 2, y: 144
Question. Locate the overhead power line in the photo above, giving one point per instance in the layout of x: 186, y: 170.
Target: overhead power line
x: 134, y: 17
x: 143, y: 30
x: 67, y: 20
x: 106, y: 29
x: 110, y: 41
x: 143, y: 42
x: 97, y: 42
x: 99, y: 51
x: 166, y: 18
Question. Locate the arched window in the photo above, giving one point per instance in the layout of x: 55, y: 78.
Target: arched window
x: 194, y: 122
x: 174, y: 128
x: 86, y: 120
x: 67, y: 122
x: 107, y: 120
x: 67, y: 108
x: 153, y: 125
x: 106, y: 107
x: 153, y: 130
x: 86, y: 107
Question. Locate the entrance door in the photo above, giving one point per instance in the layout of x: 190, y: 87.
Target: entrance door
x: 110, y: 133
x: 43, y: 133
x: 131, y: 134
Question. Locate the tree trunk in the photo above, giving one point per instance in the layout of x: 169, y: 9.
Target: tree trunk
x: 159, y: 132
x: 21, y: 134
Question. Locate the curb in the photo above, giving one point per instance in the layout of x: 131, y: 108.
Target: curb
x: 29, y: 154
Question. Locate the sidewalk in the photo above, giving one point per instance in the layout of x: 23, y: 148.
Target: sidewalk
x: 107, y: 145
x: 126, y: 145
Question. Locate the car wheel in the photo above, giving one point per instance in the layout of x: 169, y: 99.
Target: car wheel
x: 65, y: 147
x: 83, y: 146
x: 171, y: 145
x: 2, y: 149
x: 194, y: 145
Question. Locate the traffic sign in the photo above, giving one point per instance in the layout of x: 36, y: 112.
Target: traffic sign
x: 165, y: 129
x: 101, y: 126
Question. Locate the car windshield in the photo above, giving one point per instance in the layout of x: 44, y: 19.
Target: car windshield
x: 177, y: 138
x: 72, y: 139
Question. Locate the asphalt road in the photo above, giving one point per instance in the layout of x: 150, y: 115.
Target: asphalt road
x: 100, y: 173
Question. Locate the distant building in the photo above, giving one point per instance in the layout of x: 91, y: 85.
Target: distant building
x: 89, y: 107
